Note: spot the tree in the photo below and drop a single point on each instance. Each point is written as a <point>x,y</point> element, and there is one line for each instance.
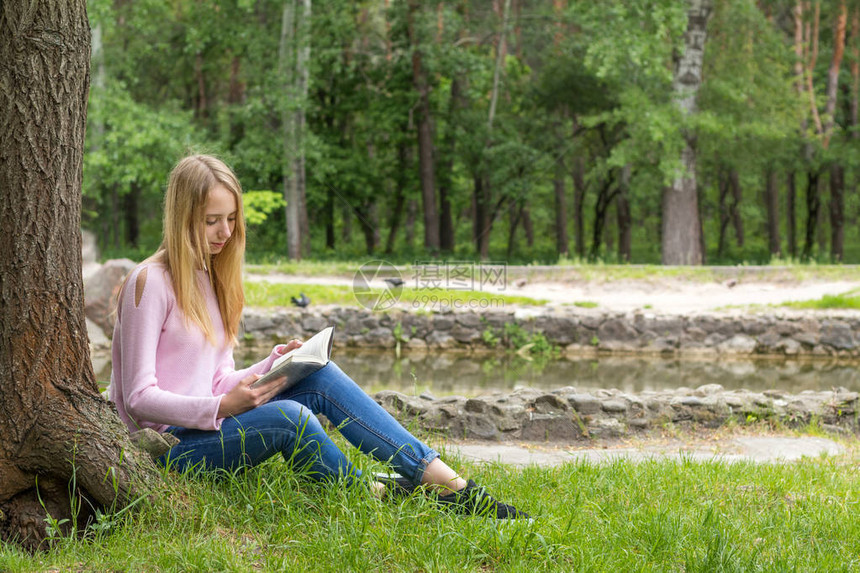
<point>681,222</point>
<point>294,56</point>
<point>59,440</point>
<point>426,148</point>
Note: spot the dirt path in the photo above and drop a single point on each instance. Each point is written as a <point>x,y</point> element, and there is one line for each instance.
<point>754,448</point>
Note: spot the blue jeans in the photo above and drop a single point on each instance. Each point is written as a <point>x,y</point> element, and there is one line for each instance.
<point>287,425</point>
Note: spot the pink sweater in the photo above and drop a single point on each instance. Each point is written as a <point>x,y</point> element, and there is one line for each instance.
<point>165,372</point>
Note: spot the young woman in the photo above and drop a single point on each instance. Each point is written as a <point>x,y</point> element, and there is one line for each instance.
<point>178,317</point>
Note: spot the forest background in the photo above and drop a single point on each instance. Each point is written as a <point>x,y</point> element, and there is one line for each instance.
<point>519,130</point>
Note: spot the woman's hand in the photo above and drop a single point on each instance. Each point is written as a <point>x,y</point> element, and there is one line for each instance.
<point>243,398</point>
<point>290,346</point>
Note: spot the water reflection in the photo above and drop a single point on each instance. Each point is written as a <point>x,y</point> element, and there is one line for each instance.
<point>471,375</point>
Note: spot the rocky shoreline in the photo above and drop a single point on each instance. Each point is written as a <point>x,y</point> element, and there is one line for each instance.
<point>575,331</point>
<point>569,416</point>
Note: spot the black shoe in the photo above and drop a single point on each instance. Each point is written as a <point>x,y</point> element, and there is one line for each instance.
<point>474,499</point>
<point>396,486</point>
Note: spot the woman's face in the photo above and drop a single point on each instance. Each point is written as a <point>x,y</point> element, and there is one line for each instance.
<point>220,218</point>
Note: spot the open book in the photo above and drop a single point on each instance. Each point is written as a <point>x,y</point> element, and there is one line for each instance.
<point>302,361</point>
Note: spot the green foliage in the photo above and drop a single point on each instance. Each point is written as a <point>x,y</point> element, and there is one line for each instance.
<point>258,205</point>
<point>584,91</point>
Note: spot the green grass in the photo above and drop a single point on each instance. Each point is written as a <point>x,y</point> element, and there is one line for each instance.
<point>264,294</point>
<point>850,299</point>
<point>620,516</point>
<point>779,271</point>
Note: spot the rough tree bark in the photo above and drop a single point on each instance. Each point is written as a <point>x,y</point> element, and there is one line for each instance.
<point>680,244</point>
<point>53,422</point>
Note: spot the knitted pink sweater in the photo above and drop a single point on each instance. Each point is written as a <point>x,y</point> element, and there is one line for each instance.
<point>165,372</point>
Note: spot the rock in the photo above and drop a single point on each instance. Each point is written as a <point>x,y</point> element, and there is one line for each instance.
<point>100,292</point>
<point>738,344</point>
<point>616,330</point>
<point>314,323</point>
<point>549,404</point>
<point>614,406</point>
<point>584,403</point>
<point>709,389</point>
<point>837,334</point>
<point>549,428</point>
<point>441,340</point>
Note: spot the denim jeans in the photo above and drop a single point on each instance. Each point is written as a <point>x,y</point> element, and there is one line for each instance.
<point>287,425</point>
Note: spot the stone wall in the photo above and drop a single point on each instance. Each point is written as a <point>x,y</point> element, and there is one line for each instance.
<point>576,331</point>
<point>566,415</point>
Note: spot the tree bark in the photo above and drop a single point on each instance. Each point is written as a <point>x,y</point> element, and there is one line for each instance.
<point>53,423</point>
<point>481,217</point>
<point>812,204</point>
<point>625,223</point>
<point>737,197</point>
<point>837,211</point>
<point>791,214</point>
<point>833,71</point>
<point>399,197</point>
<point>561,241</point>
<point>579,189</point>
<point>446,176</point>
<point>426,161</point>
<point>681,226</point>
<point>130,212</point>
<point>772,204</point>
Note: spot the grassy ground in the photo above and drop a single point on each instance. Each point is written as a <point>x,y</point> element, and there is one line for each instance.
<point>849,299</point>
<point>621,516</point>
<point>264,294</point>
<point>576,271</point>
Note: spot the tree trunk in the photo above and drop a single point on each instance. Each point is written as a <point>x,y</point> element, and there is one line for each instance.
<point>772,204</point>
<point>399,196</point>
<point>528,228</point>
<point>515,212</point>
<point>812,204</point>
<point>411,218</point>
<point>833,71</point>
<point>837,211</point>
<point>328,216</point>
<point>625,223</point>
<point>130,213</point>
<point>791,215</point>
<point>680,236</point>
<point>303,58</point>
<point>737,197</point>
<point>54,425</point>
<point>605,197</point>
<point>286,59</point>
<point>482,217</point>
<point>449,145</point>
<point>725,217</point>
<point>579,189</point>
<point>426,161</point>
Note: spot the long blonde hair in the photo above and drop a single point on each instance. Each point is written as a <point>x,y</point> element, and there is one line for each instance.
<point>184,248</point>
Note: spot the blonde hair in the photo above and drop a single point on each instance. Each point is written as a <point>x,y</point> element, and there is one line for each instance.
<point>184,248</point>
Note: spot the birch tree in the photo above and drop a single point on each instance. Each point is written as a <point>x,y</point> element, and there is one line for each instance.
<point>681,223</point>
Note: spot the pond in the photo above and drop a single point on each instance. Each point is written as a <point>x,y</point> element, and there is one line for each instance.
<point>449,373</point>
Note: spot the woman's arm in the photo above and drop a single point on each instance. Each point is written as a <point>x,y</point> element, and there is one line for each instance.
<point>143,316</point>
